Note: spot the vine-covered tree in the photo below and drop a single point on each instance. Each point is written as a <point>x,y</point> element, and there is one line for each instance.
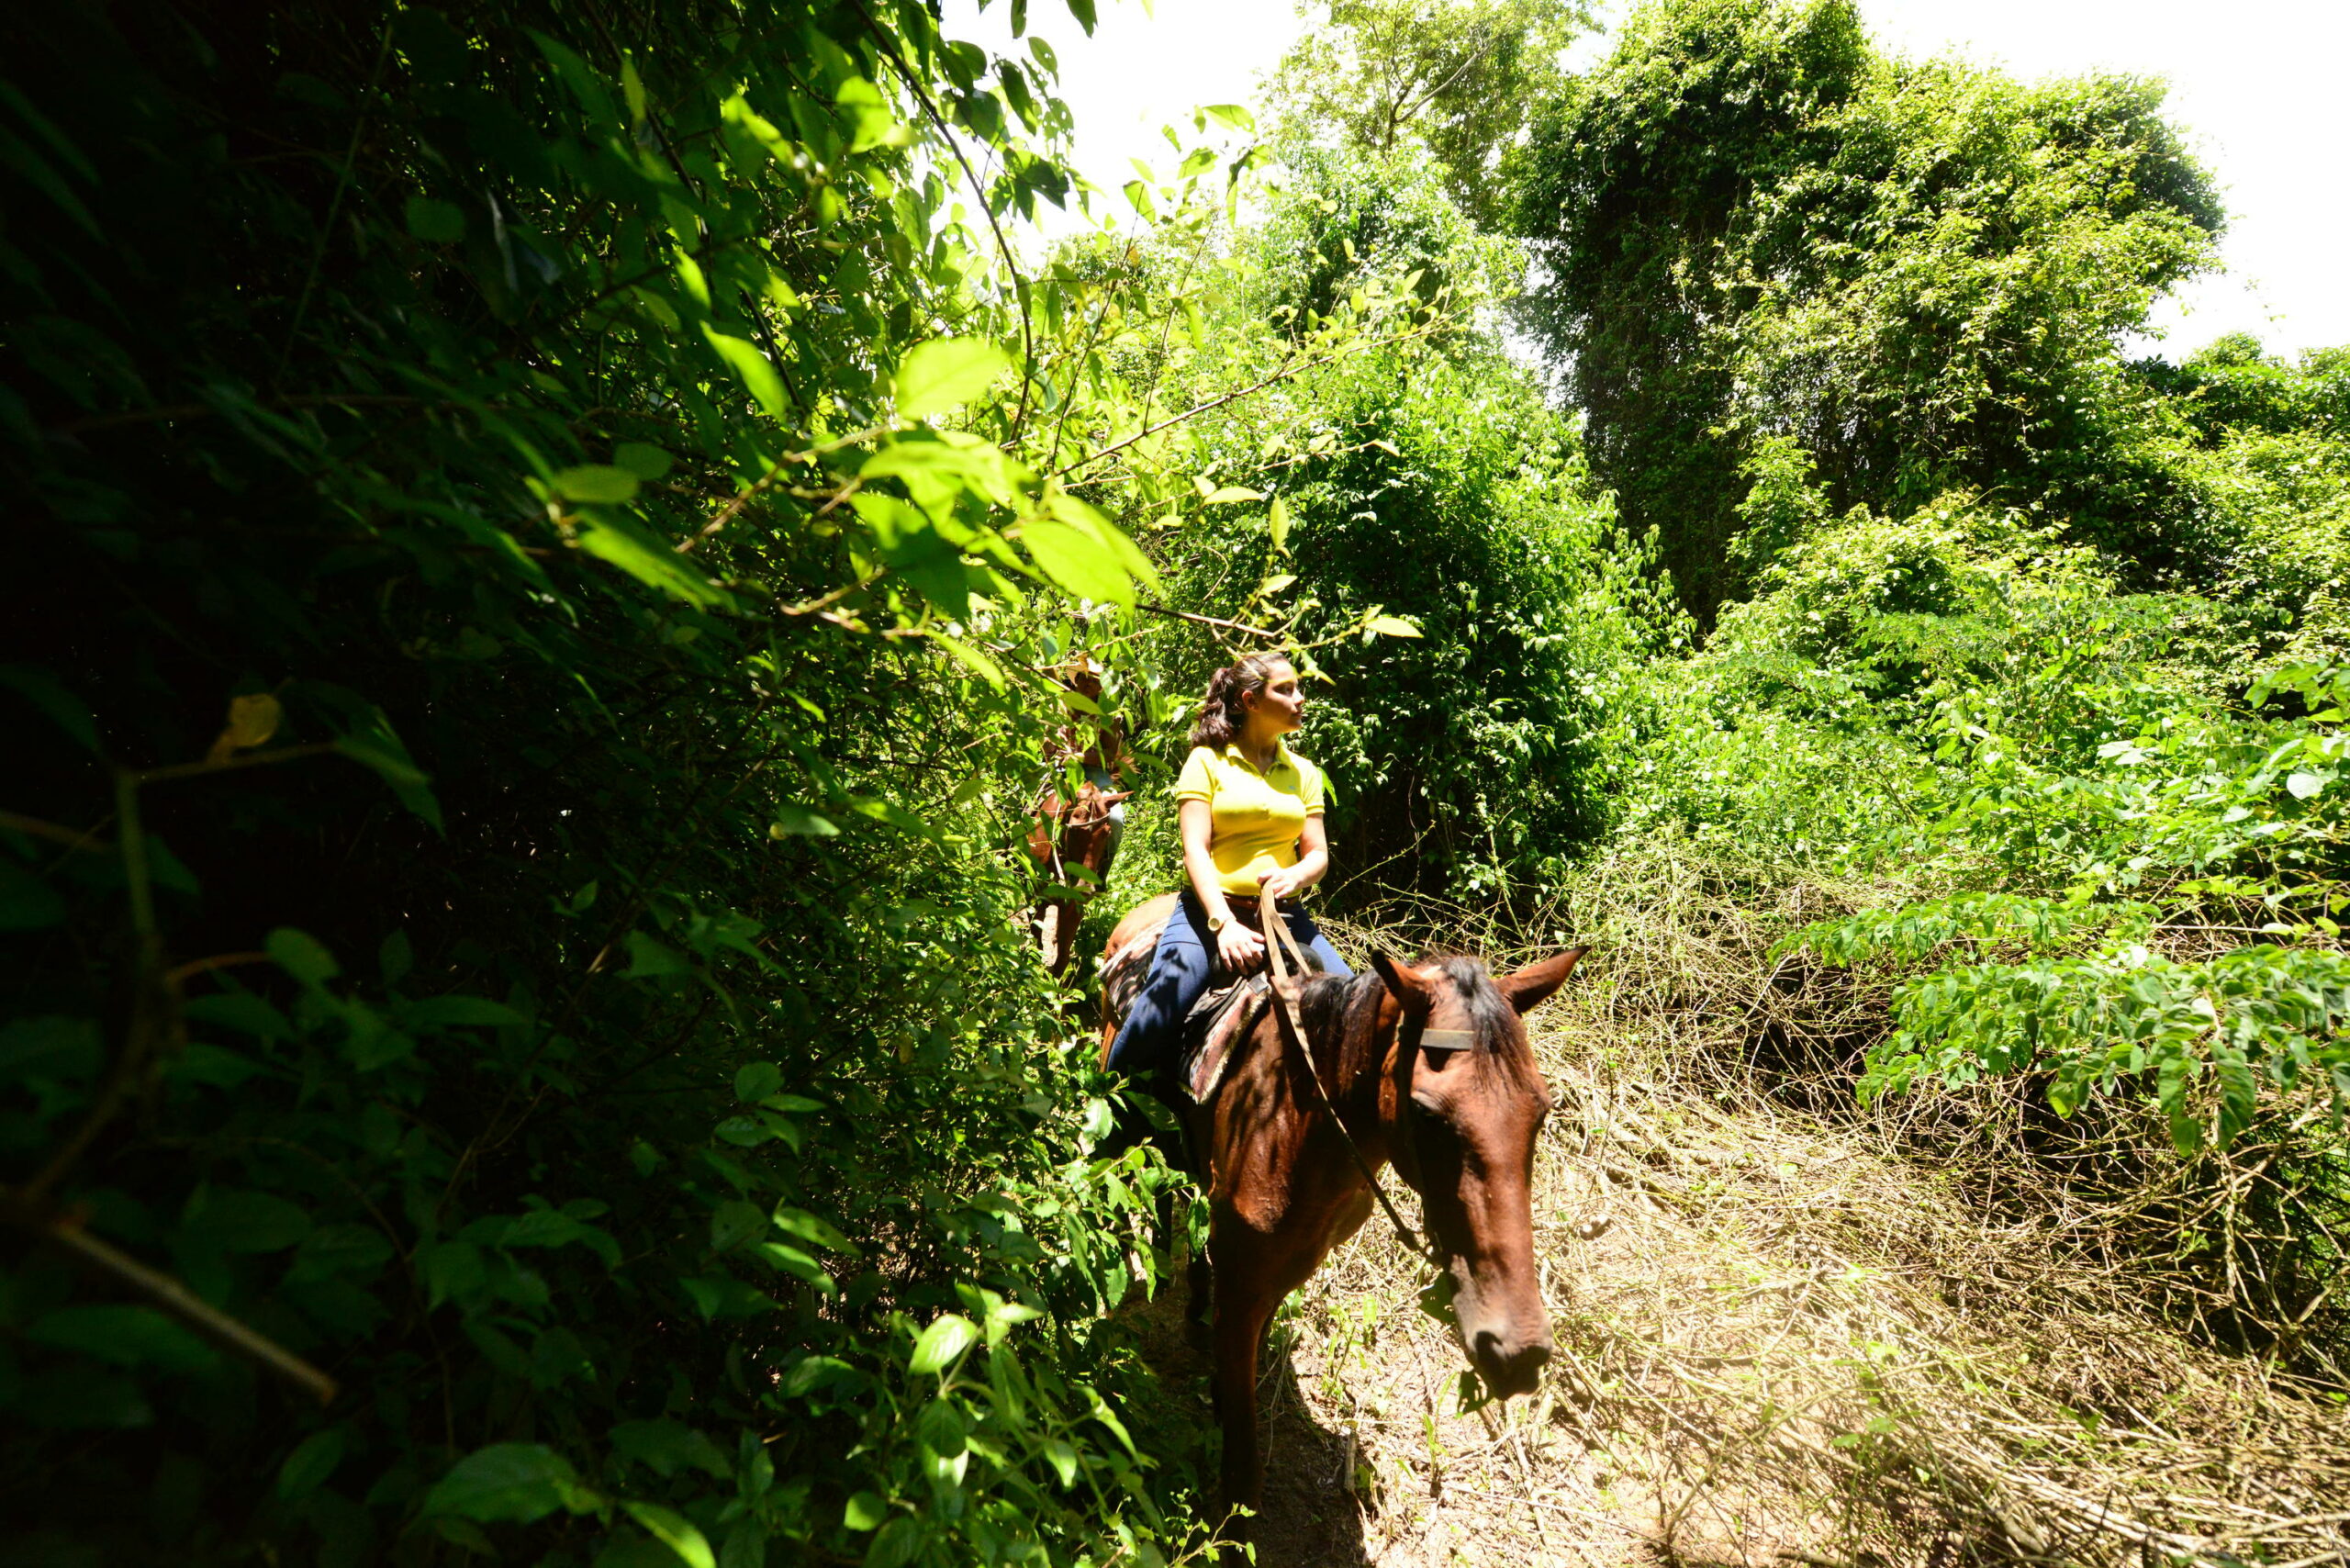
<point>1750,225</point>
<point>1463,78</point>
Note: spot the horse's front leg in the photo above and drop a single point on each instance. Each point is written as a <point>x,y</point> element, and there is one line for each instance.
<point>1244,1306</point>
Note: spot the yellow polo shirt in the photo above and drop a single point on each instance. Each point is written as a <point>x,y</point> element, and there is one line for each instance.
<point>1256,817</point>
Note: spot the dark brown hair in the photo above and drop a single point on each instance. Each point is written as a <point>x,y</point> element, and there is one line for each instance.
<point>1222,715</point>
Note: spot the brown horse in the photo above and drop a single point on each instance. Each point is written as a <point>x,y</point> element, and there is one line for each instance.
<point>1070,837</point>
<point>1456,1120</point>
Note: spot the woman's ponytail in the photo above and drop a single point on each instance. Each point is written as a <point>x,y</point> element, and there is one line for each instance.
<point>1223,713</point>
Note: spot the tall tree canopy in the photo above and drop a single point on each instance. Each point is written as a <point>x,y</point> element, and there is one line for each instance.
<point>1463,78</point>
<point>1752,226</point>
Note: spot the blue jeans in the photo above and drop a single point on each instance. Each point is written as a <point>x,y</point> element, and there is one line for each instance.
<point>1179,974</point>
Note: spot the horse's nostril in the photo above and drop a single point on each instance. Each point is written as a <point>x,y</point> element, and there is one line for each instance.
<point>1510,1370</point>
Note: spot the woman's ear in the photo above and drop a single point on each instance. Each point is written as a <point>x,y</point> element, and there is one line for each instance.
<point>1529,985</point>
<point>1407,985</point>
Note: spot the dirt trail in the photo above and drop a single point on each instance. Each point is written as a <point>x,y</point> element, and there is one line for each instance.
<point>1782,1340</point>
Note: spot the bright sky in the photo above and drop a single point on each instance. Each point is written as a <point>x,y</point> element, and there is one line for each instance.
<point>2254,80</point>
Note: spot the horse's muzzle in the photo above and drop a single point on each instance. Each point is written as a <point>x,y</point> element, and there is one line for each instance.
<point>1508,1369</point>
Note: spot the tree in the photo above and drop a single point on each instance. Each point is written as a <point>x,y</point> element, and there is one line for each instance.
<point>1462,77</point>
<point>1749,223</point>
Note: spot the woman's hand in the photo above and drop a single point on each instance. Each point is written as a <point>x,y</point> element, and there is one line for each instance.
<point>1241,950</point>
<point>1281,883</point>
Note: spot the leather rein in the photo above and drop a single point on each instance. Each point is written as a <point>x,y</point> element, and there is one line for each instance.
<point>1277,937</point>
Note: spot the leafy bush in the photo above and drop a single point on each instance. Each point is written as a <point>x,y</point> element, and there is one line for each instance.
<point>508,917</point>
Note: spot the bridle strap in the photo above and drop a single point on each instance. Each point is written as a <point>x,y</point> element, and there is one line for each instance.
<point>1447,1039</point>
<point>1277,937</point>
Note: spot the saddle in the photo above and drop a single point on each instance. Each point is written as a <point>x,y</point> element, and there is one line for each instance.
<point>1223,1015</point>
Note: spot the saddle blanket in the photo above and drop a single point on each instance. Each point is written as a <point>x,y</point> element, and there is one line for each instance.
<point>1221,1017</point>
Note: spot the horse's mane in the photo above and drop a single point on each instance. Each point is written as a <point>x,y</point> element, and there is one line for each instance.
<point>1341,1007</point>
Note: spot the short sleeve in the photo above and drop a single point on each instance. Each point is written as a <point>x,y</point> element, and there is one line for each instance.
<point>1197,781</point>
<point>1309,784</point>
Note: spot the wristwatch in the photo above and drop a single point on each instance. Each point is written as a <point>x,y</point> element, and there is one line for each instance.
<point>1216,923</point>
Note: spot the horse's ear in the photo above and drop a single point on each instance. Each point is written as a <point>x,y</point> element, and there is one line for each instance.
<point>1407,985</point>
<point>1529,985</point>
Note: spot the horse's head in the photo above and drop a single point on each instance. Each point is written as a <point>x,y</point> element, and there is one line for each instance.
<point>1468,1101</point>
<point>1086,831</point>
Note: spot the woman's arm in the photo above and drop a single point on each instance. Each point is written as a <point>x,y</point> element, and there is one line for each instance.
<point>1241,949</point>
<point>1314,859</point>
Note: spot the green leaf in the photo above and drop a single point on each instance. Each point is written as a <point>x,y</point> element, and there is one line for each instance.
<point>436,222</point>
<point>647,462</point>
<point>650,958</point>
<point>865,1511</point>
<point>812,1372</point>
<point>581,78</point>
<point>516,1483</point>
<point>1390,626</point>
<point>1063,1458</point>
<point>792,820</point>
<point>64,710</point>
<point>970,658</point>
<point>668,1447</point>
<point>875,125</point>
<point>900,1541</point>
<point>312,1463</point>
<point>1077,560</point>
<point>596,482</point>
<point>332,1249</point>
<point>125,1336</point>
<point>1231,115</point>
<point>810,1228</point>
<point>1277,519</point>
<point>300,954</point>
<point>734,1222</point>
<point>793,1261</point>
<point>943,374</point>
<point>757,373</point>
<point>722,1295</point>
<point>673,1531</point>
<point>233,1220</point>
<point>1084,11</point>
<point>374,745</point>
<point>947,1336</point>
<point>620,539</point>
<point>1224,494</point>
<point>2302,786</point>
<point>756,1081</point>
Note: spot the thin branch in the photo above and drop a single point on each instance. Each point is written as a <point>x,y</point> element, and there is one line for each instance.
<point>169,412</point>
<point>176,1299</point>
<point>334,207</point>
<point>766,482</point>
<point>246,759</point>
<point>88,839</point>
<point>1234,396</point>
<point>979,195</point>
<point>1210,620</point>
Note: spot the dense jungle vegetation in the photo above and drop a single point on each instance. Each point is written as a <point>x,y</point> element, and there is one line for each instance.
<point>543,531</point>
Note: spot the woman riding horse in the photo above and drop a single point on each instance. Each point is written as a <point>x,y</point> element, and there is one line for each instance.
<point>1250,816</point>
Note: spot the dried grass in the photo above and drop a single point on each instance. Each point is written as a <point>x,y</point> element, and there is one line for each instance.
<point>1791,1331</point>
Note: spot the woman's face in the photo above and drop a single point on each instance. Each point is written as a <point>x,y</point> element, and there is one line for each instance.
<point>1279,707</point>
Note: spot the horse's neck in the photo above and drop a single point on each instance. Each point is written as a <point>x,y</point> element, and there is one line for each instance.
<point>1351,1069</point>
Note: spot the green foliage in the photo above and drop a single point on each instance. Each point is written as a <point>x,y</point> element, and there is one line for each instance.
<point>1753,225</point>
<point>609,437</point>
<point>1462,79</point>
<point>2253,1014</point>
<point>1422,525</point>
